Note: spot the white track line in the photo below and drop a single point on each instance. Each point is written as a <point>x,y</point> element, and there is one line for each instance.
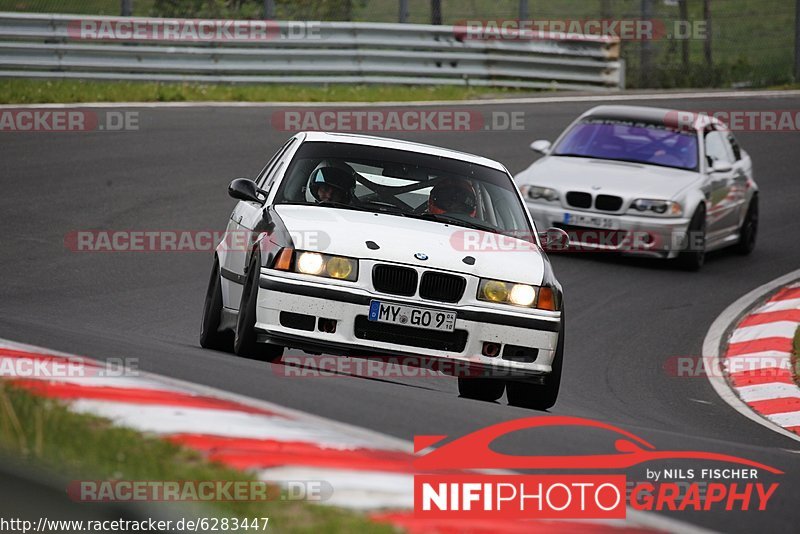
<point>713,343</point>
<point>778,305</point>
<point>625,97</point>
<point>776,329</point>
<point>774,390</point>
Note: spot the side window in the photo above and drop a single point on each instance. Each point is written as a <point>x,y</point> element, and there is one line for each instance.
<point>737,150</point>
<point>267,170</point>
<point>717,148</point>
<point>273,172</point>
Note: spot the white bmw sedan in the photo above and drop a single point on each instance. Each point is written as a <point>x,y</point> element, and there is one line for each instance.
<point>365,246</point>
<point>645,181</point>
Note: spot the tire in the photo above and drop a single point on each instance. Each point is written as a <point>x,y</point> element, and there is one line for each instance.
<point>210,335</point>
<point>749,230</point>
<point>693,260</point>
<point>540,396</point>
<point>485,389</point>
<point>244,342</point>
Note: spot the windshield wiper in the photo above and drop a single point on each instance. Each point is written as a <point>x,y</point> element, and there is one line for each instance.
<point>458,222</point>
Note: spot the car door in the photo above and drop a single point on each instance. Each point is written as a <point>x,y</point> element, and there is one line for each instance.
<point>742,177</point>
<point>719,186</point>
<point>245,215</point>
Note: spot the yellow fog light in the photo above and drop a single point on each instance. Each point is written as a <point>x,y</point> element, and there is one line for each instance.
<point>310,263</point>
<point>340,268</point>
<point>522,295</point>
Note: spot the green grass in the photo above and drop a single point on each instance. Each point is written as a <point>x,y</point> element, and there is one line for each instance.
<point>23,91</point>
<point>44,433</point>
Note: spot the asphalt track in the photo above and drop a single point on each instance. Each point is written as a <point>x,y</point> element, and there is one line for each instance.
<point>626,318</point>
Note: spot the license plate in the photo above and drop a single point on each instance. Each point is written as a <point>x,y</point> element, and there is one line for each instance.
<point>383,312</point>
<point>578,219</point>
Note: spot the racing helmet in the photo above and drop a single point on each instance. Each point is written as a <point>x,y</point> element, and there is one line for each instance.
<point>327,173</point>
<point>452,195</point>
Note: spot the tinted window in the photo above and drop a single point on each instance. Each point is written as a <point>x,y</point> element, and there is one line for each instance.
<point>630,141</point>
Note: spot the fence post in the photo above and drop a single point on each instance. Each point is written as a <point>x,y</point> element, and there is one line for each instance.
<point>126,8</point>
<point>403,11</point>
<point>523,10</point>
<point>269,9</point>
<point>605,10</point>
<point>403,17</point>
<point>646,50</point>
<point>436,12</point>
<point>707,50</point>
<point>684,16</point>
<point>797,40</point>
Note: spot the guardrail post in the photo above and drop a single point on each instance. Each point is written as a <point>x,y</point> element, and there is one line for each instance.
<point>403,15</point>
<point>126,8</point>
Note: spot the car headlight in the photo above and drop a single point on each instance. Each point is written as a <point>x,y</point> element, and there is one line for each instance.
<point>522,295</point>
<point>655,208</point>
<point>317,264</point>
<point>535,192</point>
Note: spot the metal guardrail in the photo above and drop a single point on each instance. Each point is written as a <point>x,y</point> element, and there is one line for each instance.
<point>49,46</point>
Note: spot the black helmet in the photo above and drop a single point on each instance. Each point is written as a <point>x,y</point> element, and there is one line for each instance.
<point>333,176</point>
<point>452,195</point>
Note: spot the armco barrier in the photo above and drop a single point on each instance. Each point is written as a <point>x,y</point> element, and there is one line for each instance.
<point>51,46</point>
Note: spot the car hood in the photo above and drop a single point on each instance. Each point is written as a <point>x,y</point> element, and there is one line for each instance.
<point>632,180</point>
<point>345,232</point>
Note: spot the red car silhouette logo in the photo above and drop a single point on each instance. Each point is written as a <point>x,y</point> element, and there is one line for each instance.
<point>473,450</point>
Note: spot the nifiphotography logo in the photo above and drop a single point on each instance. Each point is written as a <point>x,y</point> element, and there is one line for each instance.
<point>445,490</point>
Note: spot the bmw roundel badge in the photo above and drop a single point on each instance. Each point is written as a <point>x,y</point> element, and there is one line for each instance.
<point>421,256</point>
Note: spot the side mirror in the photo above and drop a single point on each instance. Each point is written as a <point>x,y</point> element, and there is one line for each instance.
<point>245,189</point>
<point>554,239</point>
<point>542,146</point>
<point>721,166</point>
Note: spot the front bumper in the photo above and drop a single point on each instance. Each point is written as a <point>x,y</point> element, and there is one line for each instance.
<point>641,236</point>
<point>349,306</point>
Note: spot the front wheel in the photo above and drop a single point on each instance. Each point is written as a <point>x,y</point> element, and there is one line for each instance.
<point>749,229</point>
<point>693,258</point>
<point>244,343</point>
<point>540,396</point>
<point>210,335</point>
<point>485,389</point>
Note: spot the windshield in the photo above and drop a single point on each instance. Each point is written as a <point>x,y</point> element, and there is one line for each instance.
<point>631,141</point>
<point>403,183</point>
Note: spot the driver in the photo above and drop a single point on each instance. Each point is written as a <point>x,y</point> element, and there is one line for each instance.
<point>453,195</point>
<point>329,183</point>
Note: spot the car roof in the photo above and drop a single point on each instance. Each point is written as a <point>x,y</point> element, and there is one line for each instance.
<point>398,144</point>
<point>662,116</point>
